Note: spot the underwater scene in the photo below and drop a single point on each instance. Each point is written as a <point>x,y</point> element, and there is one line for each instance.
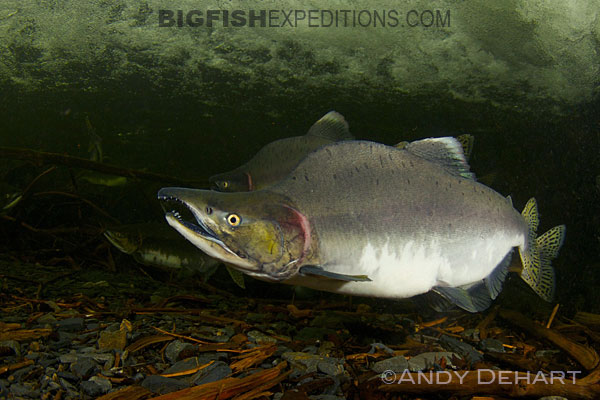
<point>289,200</point>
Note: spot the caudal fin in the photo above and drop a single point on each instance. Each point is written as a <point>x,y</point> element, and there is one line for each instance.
<point>538,252</point>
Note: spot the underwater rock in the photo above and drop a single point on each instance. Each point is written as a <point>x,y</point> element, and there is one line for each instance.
<point>91,389</point>
<point>380,347</point>
<point>175,348</point>
<point>161,385</point>
<point>71,324</point>
<point>183,365</point>
<point>515,55</point>
<point>313,333</point>
<point>467,351</point>
<point>112,340</point>
<point>215,334</point>
<point>214,372</point>
<point>491,345</point>
<point>428,360</point>
<point>21,390</point>
<point>260,338</point>
<point>84,367</point>
<point>396,364</point>
<point>13,345</point>
<point>103,383</point>
<point>306,363</point>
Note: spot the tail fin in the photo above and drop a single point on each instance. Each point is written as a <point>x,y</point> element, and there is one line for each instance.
<point>538,252</point>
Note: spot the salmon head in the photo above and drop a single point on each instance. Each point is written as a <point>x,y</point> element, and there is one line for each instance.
<point>260,233</point>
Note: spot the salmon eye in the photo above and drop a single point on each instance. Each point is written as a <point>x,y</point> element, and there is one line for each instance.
<point>234,219</point>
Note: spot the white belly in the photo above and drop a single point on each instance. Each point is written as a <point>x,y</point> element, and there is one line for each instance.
<point>414,268</point>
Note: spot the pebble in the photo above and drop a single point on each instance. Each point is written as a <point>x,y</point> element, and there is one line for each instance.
<point>381,347</point>
<point>490,344</point>
<point>175,348</point>
<point>254,318</point>
<point>215,334</point>
<point>107,359</point>
<point>47,319</point>
<point>183,365</point>
<point>20,373</point>
<point>467,351</point>
<point>91,389</point>
<point>429,360</point>
<point>47,362</point>
<point>260,338</point>
<point>84,367</point>
<point>24,390</point>
<point>471,333</point>
<point>311,333</point>
<point>12,344</point>
<point>329,320</point>
<point>67,385</point>
<point>160,385</point>
<point>112,340</point>
<point>68,358</point>
<point>306,363</point>
<point>331,366</point>
<point>71,377</point>
<point>104,383</point>
<point>71,324</point>
<point>546,353</point>
<point>214,372</point>
<point>396,364</point>
<point>65,341</point>
<point>283,328</point>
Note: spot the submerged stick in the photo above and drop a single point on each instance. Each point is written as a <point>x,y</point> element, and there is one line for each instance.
<point>584,355</point>
<point>41,158</point>
<point>489,382</point>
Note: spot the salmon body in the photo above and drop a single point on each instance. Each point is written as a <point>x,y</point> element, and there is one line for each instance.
<point>367,219</point>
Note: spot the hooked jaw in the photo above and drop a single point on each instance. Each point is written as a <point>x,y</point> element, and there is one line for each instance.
<point>272,243</point>
<point>198,232</point>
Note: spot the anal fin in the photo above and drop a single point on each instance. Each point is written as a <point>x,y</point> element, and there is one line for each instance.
<point>473,299</point>
<point>496,278</point>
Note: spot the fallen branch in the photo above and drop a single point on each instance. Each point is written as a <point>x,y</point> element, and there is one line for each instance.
<point>16,366</point>
<point>129,393</point>
<point>585,355</point>
<point>489,382</point>
<point>41,158</point>
<point>229,387</point>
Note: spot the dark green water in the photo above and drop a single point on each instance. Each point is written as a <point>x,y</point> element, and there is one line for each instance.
<point>175,111</point>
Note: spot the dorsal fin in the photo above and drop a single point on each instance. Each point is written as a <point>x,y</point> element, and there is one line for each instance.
<point>445,151</point>
<point>466,141</point>
<point>331,126</point>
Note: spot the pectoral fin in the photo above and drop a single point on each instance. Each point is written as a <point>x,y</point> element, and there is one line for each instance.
<point>318,271</point>
<point>237,276</point>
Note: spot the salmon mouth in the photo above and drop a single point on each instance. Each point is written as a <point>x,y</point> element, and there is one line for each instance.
<point>188,220</point>
<point>198,226</point>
